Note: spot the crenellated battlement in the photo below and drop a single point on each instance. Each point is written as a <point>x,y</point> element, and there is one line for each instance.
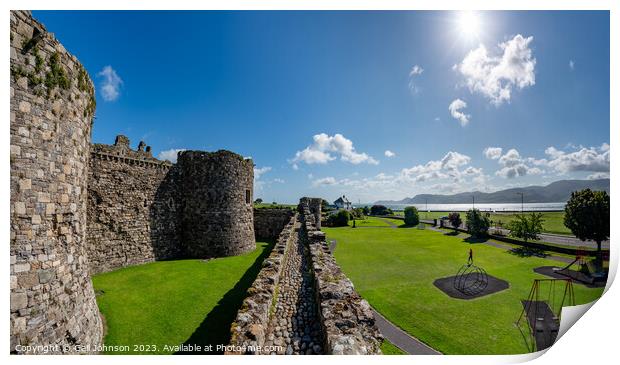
<point>121,152</point>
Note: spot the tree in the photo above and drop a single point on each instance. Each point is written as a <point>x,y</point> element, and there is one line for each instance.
<point>586,214</point>
<point>455,220</point>
<point>258,201</point>
<point>339,219</point>
<point>357,213</point>
<point>526,227</point>
<point>366,210</point>
<point>412,218</point>
<point>379,210</point>
<point>477,222</point>
<point>324,205</point>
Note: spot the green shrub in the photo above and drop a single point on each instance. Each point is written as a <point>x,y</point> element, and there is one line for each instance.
<point>339,219</point>
<point>412,218</point>
<point>455,220</point>
<point>526,227</point>
<point>357,213</point>
<point>380,210</point>
<point>477,223</point>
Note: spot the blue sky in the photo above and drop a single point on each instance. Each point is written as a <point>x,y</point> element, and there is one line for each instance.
<point>374,105</point>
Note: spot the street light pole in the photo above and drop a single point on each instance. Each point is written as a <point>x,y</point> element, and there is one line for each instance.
<point>521,202</point>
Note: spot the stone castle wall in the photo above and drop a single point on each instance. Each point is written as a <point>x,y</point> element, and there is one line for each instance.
<point>216,190</point>
<point>269,222</point>
<point>132,207</point>
<point>141,209</point>
<point>52,106</point>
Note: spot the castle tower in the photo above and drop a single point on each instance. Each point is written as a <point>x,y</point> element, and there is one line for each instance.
<point>52,107</point>
<point>217,199</point>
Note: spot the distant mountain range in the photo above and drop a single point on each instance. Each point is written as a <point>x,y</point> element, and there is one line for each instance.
<point>555,192</point>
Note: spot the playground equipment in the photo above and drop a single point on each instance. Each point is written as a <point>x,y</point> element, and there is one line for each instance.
<point>471,279</point>
<point>586,269</point>
<point>539,321</point>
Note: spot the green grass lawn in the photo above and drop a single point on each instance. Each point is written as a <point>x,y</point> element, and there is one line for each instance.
<point>389,348</point>
<point>176,302</point>
<point>371,222</point>
<point>554,221</point>
<point>394,270</point>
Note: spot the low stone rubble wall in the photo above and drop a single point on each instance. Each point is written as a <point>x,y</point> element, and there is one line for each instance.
<point>249,329</point>
<point>347,325</point>
<point>347,319</point>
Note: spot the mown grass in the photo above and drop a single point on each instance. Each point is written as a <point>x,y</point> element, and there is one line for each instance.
<point>389,348</point>
<point>370,222</point>
<point>394,270</point>
<point>175,302</point>
<point>554,221</point>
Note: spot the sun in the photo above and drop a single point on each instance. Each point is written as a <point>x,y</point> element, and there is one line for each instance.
<point>469,24</point>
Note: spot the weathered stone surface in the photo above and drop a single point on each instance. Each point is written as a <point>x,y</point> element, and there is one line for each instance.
<point>132,207</point>
<point>216,191</point>
<point>141,209</point>
<point>346,319</point>
<point>269,222</point>
<point>302,301</point>
<point>52,301</point>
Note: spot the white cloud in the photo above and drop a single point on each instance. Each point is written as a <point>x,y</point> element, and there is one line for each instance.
<point>389,153</point>
<point>571,65</point>
<point>437,119</point>
<point>415,72</point>
<point>447,167</point>
<point>325,148</point>
<point>514,165</point>
<point>110,86</point>
<point>258,183</point>
<point>496,76</point>
<point>258,172</point>
<point>493,153</point>
<point>324,181</point>
<point>170,155</point>
<point>278,180</point>
<point>451,173</point>
<point>455,110</point>
<point>598,175</point>
<point>593,159</point>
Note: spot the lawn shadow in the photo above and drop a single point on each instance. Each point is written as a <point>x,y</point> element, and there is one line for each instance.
<point>404,225</point>
<point>527,252</point>
<point>472,239</point>
<point>215,328</point>
<point>451,233</point>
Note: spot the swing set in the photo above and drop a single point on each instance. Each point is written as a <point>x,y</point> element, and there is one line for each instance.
<point>539,321</point>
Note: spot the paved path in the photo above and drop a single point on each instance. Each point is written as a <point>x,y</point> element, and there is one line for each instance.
<point>402,339</point>
<point>507,247</point>
<point>392,224</point>
<point>561,239</point>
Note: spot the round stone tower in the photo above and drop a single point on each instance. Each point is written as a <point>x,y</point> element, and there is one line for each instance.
<point>52,106</point>
<point>217,197</point>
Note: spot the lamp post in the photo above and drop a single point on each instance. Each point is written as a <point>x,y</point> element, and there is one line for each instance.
<point>521,202</point>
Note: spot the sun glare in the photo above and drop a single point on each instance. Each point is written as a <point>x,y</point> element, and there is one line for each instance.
<point>469,24</point>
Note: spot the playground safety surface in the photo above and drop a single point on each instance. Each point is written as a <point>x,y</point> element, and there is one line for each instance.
<point>446,285</point>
